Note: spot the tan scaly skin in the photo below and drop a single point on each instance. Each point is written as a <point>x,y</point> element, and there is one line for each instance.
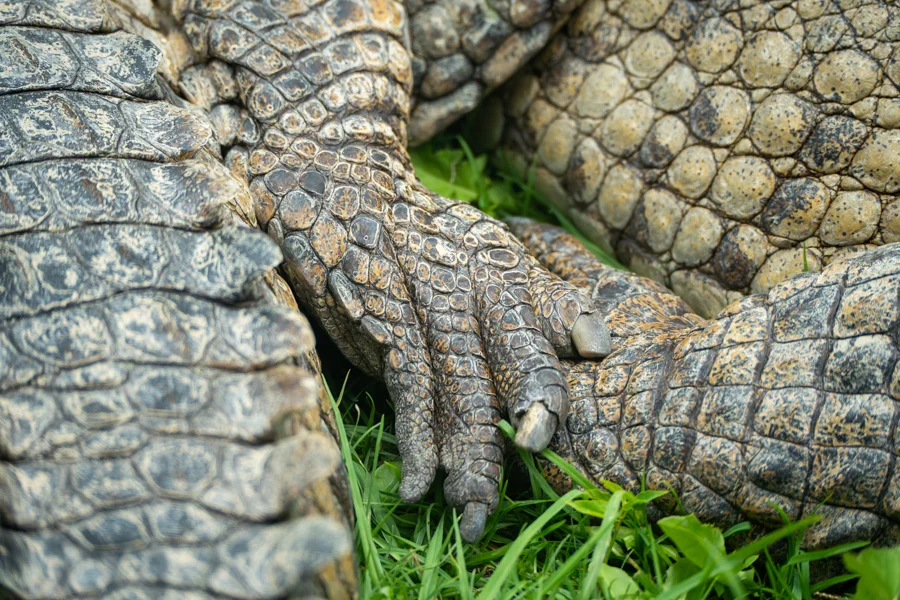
<point>789,399</point>
<point>427,293</point>
<point>717,147</point>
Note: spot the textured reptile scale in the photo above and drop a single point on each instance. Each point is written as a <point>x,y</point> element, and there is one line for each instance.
<point>161,431</point>
<point>788,399</point>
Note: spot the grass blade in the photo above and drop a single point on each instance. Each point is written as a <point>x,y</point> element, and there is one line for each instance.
<point>809,557</point>
<point>363,525</point>
<point>507,566</point>
<point>433,560</point>
<point>601,550</point>
<point>465,587</point>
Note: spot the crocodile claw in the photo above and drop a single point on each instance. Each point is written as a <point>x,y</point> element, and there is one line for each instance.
<point>536,428</point>
<point>591,337</point>
<point>473,521</point>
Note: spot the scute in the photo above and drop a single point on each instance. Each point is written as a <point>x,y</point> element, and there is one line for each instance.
<point>146,347</point>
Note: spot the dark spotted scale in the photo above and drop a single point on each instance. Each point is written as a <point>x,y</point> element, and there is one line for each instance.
<point>786,400</point>
<point>162,431</point>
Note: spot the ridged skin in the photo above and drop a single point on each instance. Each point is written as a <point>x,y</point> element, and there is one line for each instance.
<point>161,432</point>
<point>428,293</point>
<point>717,146</point>
<point>463,49</point>
<point>788,399</point>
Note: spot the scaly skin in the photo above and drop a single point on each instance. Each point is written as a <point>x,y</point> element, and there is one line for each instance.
<point>717,147</point>
<point>160,428</point>
<point>721,468</point>
<point>788,399</point>
<point>463,49</point>
<point>427,293</point>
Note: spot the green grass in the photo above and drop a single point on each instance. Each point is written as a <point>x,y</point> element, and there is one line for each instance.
<point>589,543</point>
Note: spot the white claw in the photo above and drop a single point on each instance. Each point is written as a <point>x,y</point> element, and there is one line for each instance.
<point>590,336</point>
<point>536,428</point>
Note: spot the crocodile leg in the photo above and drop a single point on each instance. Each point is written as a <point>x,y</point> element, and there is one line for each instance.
<point>789,399</point>
<point>161,434</point>
<point>464,49</point>
<point>717,147</point>
<point>428,293</point>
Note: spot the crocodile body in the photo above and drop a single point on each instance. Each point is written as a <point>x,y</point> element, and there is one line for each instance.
<point>717,146</point>
<point>789,399</point>
<point>162,431</point>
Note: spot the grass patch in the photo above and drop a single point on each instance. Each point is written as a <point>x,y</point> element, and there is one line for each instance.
<point>589,543</point>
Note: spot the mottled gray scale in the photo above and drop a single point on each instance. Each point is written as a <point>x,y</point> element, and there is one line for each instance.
<point>117,64</point>
<point>47,423</point>
<point>60,195</point>
<point>90,16</point>
<point>810,433</point>
<point>223,569</point>
<point>163,433</point>
<point>147,327</point>
<point>43,271</point>
<point>46,125</point>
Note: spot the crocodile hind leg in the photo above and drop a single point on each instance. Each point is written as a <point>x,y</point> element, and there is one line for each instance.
<point>789,399</point>
<point>717,147</point>
<point>159,437</point>
<point>460,52</point>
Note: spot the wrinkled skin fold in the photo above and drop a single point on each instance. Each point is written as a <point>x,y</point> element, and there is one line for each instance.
<point>163,432</point>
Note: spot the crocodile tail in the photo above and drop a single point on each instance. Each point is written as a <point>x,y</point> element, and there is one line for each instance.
<point>787,400</point>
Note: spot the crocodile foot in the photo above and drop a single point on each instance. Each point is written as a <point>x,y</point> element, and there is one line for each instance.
<point>428,293</point>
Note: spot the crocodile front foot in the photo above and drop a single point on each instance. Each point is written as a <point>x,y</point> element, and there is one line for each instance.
<point>428,293</point>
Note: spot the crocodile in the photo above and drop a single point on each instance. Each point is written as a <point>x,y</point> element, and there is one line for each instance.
<point>787,400</point>
<point>163,429</point>
<point>109,139</point>
<point>717,147</point>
